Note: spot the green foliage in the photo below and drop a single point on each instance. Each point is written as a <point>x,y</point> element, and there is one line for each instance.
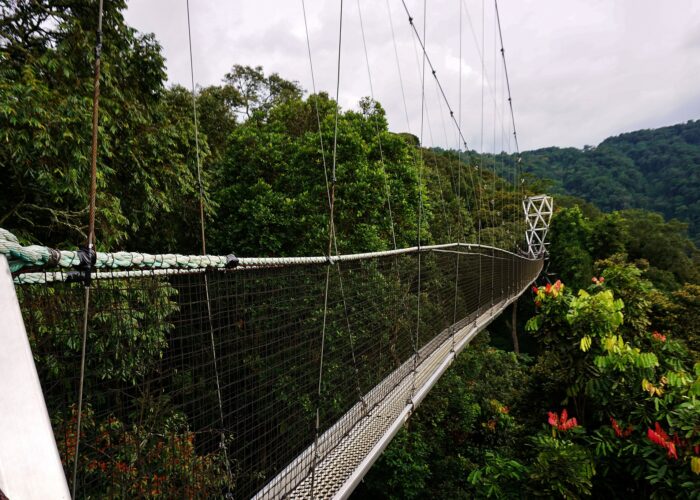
<point>275,188</point>
<point>266,192</point>
<point>467,415</point>
<point>683,317</point>
<point>636,394</point>
<point>570,233</point>
<point>499,478</point>
<point>561,469</point>
<point>644,380</point>
<point>660,249</point>
<point>122,348</point>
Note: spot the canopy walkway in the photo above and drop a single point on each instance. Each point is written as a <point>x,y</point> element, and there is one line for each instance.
<point>132,375</point>
<point>230,364</point>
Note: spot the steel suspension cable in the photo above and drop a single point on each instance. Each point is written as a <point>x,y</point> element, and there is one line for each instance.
<point>432,141</point>
<point>505,71</point>
<point>328,192</point>
<point>492,201</point>
<point>91,238</point>
<point>222,443</point>
<point>318,114</point>
<point>376,125</point>
<point>331,240</point>
<point>518,161</point>
<point>416,162</point>
<point>420,207</point>
<point>459,182</point>
<point>416,152</point>
<point>434,73</point>
<point>489,85</point>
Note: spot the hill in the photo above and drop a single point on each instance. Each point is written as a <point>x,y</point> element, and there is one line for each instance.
<point>656,170</point>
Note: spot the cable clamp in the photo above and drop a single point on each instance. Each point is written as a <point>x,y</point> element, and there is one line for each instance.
<point>54,257</point>
<point>87,258</point>
<point>231,261</point>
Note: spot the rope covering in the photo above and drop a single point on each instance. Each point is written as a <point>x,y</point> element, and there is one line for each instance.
<point>21,257</point>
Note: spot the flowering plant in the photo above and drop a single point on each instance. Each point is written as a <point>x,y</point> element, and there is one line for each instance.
<point>561,422</point>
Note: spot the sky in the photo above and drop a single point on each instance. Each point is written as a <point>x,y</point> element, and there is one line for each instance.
<point>579,70</point>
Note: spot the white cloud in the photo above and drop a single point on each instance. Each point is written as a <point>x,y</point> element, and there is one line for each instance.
<point>580,70</point>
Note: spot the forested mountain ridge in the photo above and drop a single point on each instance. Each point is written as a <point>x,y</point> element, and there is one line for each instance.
<point>656,169</point>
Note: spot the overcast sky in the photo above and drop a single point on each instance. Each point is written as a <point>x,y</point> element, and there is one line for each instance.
<point>580,70</point>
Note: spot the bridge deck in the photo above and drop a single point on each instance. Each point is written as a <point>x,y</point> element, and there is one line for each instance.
<point>353,444</point>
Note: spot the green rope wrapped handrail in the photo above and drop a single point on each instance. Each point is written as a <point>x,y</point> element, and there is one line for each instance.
<point>132,263</point>
<point>20,257</point>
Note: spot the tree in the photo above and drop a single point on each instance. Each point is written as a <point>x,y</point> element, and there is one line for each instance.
<point>570,233</point>
<point>47,54</point>
<point>273,197</point>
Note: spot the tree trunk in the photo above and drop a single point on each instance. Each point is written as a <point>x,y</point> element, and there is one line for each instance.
<point>514,328</point>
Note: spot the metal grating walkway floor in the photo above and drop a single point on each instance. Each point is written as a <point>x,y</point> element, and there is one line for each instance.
<point>349,448</point>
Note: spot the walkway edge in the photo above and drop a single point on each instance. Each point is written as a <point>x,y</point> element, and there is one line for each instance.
<point>470,331</point>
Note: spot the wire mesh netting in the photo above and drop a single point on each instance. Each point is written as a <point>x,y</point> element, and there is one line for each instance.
<point>207,382</point>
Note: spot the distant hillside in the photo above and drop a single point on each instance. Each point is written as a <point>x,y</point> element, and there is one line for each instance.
<point>655,169</point>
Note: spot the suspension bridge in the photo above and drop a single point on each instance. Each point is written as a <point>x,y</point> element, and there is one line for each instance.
<point>132,374</point>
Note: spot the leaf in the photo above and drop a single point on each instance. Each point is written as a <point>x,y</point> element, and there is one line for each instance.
<point>586,343</point>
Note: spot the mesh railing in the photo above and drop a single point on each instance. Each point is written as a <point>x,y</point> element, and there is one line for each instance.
<point>206,382</point>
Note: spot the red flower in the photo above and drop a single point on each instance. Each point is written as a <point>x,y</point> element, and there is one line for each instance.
<point>562,423</point>
<point>569,424</point>
<point>658,336</point>
<point>535,289</point>
<point>616,428</point>
<point>659,436</point>
<point>505,409</point>
<point>661,431</point>
<point>618,431</point>
<point>548,288</point>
